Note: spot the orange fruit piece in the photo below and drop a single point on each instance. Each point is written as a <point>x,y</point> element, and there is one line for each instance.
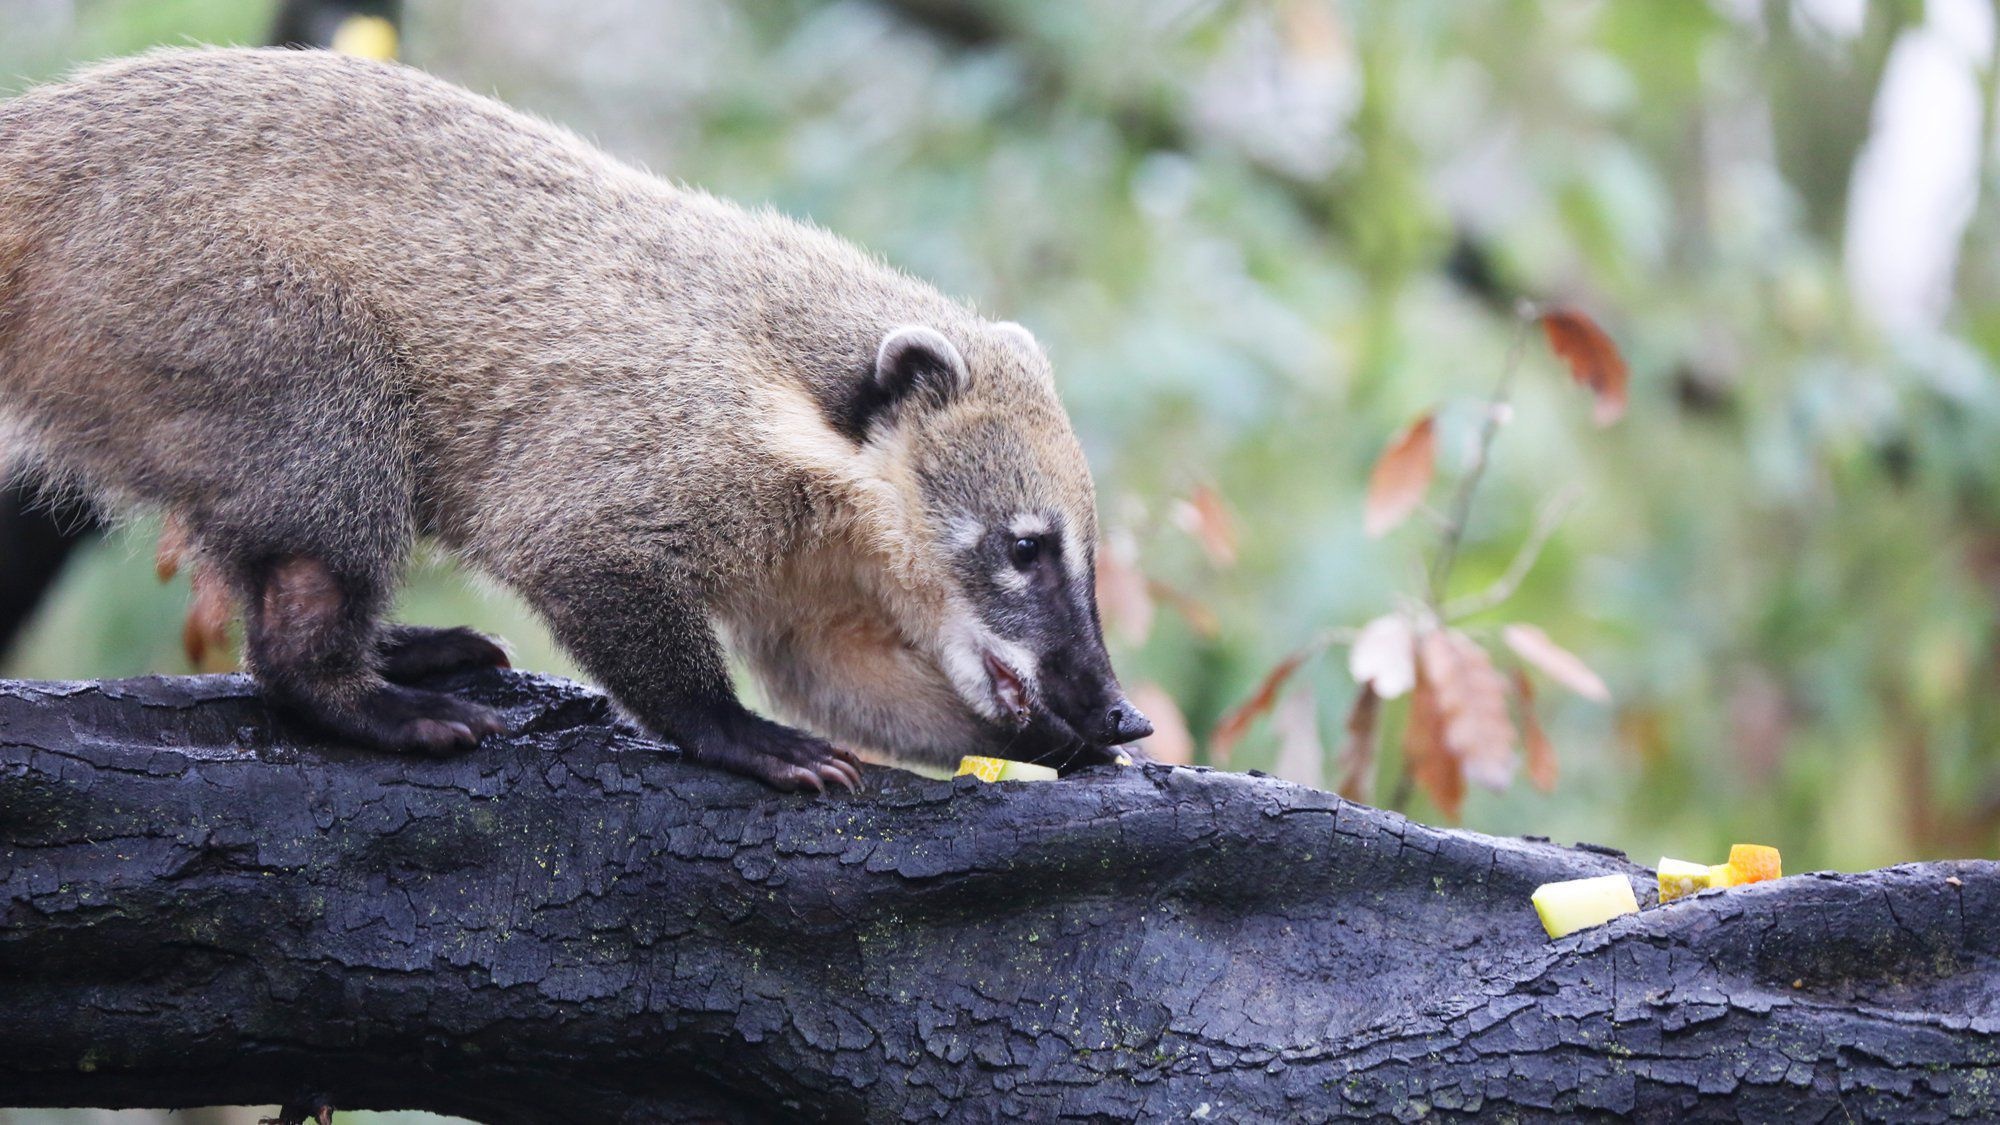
<point>1754,863</point>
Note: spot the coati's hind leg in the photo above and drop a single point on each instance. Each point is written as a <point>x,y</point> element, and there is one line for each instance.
<point>310,638</point>
<point>635,629</point>
<point>263,404</point>
<point>415,652</point>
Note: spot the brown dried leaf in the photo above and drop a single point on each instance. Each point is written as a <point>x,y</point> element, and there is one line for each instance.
<point>1301,756</point>
<point>1555,662</point>
<point>205,632</point>
<point>1593,358</point>
<point>1205,516</point>
<point>1425,755</point>
<point>1122,596</point>
<point>1357,758</point>
<point>1170,741</point>
<point>1401,477</point>
<point>1237,723</point>
<point>1472,698</point>
<point>1541,752</point>
<point>1384,656</point>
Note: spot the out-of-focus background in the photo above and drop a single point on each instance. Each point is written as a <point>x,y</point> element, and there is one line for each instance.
<point>1259,238</point>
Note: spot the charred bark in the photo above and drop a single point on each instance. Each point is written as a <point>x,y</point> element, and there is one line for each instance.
<point>205,905</point>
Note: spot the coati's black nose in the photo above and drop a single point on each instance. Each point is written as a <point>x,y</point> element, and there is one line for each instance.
<point>1123,723</point>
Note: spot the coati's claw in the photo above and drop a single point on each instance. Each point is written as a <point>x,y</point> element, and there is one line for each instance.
<point>828,763</point>
<point>435,737</point>
<point>413,652</point>
<point>843,772</point>
<point>782,776</point>
<point>783,758</point>
<point>848,766</point>
<point>838,772</point>
<point>425,722</point>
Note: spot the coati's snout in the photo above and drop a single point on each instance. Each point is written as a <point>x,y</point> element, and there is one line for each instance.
<point>1083,713</point>
<point>1074,724</point>
<point>1008,499</point>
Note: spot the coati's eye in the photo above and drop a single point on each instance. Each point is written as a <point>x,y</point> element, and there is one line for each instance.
<point>1025,551</point>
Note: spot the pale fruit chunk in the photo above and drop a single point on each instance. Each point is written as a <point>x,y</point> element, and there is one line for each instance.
<point>1680,878</point>
<point>1576,904</point>
<point>1000,769</point>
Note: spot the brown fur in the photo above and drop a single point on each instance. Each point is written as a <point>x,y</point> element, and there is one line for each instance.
<point>315,305</point>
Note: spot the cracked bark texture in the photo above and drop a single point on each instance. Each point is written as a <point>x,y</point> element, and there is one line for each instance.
<point>203,904</point>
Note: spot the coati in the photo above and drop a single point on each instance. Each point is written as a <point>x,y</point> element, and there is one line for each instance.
<point>315,306</point>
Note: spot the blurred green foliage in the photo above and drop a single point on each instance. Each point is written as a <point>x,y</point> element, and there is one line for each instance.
<point>1245,232</point>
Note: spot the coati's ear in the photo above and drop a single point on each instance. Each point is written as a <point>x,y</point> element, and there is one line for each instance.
<point>914,364</point>
<point>1018,336</point>
<point>1026,348</point>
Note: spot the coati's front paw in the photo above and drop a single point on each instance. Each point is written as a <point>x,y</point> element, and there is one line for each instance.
<point>424,722</point>
<point>779,756</point>
<point>414,652</point>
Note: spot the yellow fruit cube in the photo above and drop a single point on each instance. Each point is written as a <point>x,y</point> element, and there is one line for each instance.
<point>1723,875</point>
<point>1576,904</point>
<point>1754,863</point>
<point>985,769</point>
<point>1001,769</point>
<point>1680,878</point>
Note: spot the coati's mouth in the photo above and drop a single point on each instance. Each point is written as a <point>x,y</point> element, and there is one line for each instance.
<point>1040,733</point>
<point>1010,690</point>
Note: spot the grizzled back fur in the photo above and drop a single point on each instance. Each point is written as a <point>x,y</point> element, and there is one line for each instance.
<point>539,304</point>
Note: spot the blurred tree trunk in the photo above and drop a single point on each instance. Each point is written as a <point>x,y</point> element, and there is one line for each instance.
<point>202,906</point>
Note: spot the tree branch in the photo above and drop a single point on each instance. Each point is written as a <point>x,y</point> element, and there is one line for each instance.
<point>199,904</point>
<point>1482,453</point>
<point>1551,515</point>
